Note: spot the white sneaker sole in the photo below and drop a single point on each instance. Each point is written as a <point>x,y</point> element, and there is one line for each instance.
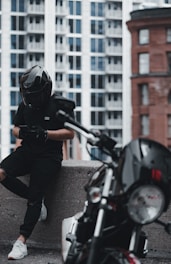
<point>15,258</point>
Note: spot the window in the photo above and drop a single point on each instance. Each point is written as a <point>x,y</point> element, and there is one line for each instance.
<point>78,116</point>
<point>75,26</point>
<point>12,138</point>
<point>143,63</point>
<point>144,94</point>
<point>145,125</point>
<point>15,76</point>
<point>97,45</point>
<point>169,61</point>
<point>76,97</point>
<point>97,81</point>
<point>169,35</point>
<point>17,60</point>
<point>97,63</point>
<point>17,42</point>
<point>169,126</point>
<point>12,112</point>
<point>97,27</point>
<point>97,118</point>
<point>17,5</point>
<point>15,98</point>
<point>97,99</point>
<point>115,6</point>
<point>169,97</point>
<point>97,9</point>
<point>143,36</point>
<point>75,62</point>
<point>75,8</point>
<point>75,80</point>
<point>74,44</point>
<point>17,23</point>
<point>59,2</point>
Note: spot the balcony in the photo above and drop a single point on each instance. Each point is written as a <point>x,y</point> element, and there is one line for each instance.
<point>113,87</point>
<point>35,28</point>
<point>113,105</point>
<point>63,85</point>
<point>113,68</point>
<point>35,9</point>
<point>61,29</point>
<point>61,66</point>
<point>112,50</point>
<point>62,10</point>
<point>35,46</point>
<point>61,48</point>
<point>111,32</point>
<point>113,123</point>
<point>35,62</point>
<point>113,14</point>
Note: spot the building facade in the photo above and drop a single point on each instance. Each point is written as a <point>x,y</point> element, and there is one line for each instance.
<point>80,44</point>
<point>85,46</point>
<point>151,74</point>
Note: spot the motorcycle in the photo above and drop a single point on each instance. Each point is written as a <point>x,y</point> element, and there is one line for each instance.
<point>129,190</point>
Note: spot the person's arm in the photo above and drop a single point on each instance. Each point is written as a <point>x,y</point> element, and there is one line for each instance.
<point>59,135</point>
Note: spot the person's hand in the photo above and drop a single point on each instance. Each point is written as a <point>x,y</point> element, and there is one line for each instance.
<point>33,133</point>
<point>38,133</point>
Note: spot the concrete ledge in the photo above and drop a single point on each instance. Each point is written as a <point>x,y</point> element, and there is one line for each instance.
<point>65,197</point>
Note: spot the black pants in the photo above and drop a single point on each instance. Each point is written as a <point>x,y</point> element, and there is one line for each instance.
<point>41,170</point>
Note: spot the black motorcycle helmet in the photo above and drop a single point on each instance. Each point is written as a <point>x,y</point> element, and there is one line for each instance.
<point>35,87</point>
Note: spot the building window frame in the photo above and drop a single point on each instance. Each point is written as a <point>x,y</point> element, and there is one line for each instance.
<point>144,36</point>
<point>145,125</point>
<point>168,35</point>
<point>144,63</point>
<point>169,61</point>
<point>169,125</point>
<point>144,93</point>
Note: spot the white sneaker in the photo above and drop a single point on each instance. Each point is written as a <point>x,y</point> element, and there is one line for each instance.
<point>18,251</point>
<point>43,212</point>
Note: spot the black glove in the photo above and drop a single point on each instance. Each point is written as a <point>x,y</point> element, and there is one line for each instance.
<point>33,133</point>
<point>24,131</point>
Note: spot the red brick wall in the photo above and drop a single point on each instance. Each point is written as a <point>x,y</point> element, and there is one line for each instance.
<point>158,79</point>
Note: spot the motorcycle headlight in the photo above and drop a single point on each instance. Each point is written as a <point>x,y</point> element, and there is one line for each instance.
<point>146,204</point>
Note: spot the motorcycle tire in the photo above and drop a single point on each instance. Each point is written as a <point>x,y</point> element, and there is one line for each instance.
<point>111,256</point>
<point>72,253</point>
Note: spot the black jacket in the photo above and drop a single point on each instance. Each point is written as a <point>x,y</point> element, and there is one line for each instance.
<point>45,118</point>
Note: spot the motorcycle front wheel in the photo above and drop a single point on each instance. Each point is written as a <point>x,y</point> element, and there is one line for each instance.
<point>110,256</point>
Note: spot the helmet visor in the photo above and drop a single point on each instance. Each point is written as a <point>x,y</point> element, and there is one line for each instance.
<point>32,99</point>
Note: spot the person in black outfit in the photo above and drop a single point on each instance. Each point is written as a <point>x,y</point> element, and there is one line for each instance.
<point>40,153</point>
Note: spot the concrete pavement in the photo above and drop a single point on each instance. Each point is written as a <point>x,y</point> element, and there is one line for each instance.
<point>35,256</point>
<point>51,256</point>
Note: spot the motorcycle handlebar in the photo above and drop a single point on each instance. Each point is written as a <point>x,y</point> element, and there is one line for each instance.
<point>100,140</point>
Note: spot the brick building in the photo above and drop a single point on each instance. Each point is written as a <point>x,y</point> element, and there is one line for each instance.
<point>151,74</point>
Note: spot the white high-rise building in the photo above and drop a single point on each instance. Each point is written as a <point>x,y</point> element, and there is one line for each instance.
<point>84,45</point>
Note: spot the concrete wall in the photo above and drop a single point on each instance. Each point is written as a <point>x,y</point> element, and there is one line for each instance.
<point>65,197</point>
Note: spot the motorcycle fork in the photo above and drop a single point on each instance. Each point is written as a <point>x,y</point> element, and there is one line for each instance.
<point>133,245</point>
<point>95,242</point>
